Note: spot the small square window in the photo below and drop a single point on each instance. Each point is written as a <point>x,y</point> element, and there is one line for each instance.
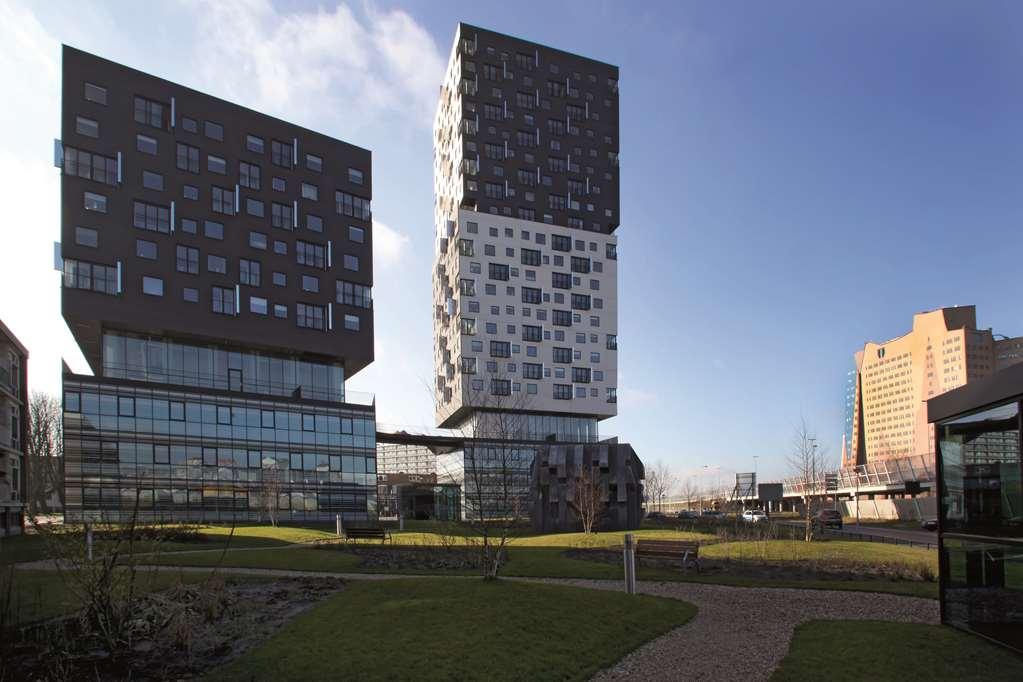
<point>191,295</point>
<point>86,236</point>
<point>351,262</point>
<point>280,310</point>
<point>151,180</point>
<point>313,162</point>
<point>254,144</point>
<point>214,131</point>
<point>152,286</point>
<point>189,226</point>
<point>280,279</point>
<point>145,249</point>
<point>146,144</point>
<point>280,248</point>
<point>355,176</point>
<point>356,234</point>
<point>190,192</point>
<point>189,125</point>
<point>257,240</point>
<point>86,126</point>
<point>257,305</point>
<point>95,93</point>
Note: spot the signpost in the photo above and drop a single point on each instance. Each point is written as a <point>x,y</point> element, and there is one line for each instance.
<point>831,486</point>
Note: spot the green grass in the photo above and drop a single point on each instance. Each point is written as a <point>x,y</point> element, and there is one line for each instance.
<point>876,650</point>
<point>827,550</point>
<point>458,629</point>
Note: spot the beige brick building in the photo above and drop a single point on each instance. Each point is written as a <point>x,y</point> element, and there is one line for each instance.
<point>894,379</point>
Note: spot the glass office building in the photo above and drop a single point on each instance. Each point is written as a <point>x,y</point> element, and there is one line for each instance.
<point>210,455</point>
<point>980,469</point>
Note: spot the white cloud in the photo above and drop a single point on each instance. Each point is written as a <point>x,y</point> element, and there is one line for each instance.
<point>308,65</point>
<point>389,245</point>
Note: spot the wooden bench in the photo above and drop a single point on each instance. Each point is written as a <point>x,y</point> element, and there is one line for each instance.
<point>687,551</point>
<point>365,533</point>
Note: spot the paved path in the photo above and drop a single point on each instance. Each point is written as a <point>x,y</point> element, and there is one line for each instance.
<point>744,632</point>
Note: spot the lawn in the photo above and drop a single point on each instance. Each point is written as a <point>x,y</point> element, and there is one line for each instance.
<point>823,550</point>
<point>876,650</point>
<point>459,629</point>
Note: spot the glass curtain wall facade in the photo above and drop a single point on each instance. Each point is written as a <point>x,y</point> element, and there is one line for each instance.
<point>211,457</point>
<point>169,362</point>
<point>981,524</point>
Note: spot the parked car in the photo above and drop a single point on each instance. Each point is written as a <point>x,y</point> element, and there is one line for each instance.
<point>827,518</point>
<point>929,524</point>
<point>655,516</point>
<point>687,514</point>
<point>754,515</point>
<point>711,513</point>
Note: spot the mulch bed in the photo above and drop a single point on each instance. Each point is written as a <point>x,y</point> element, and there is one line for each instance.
<point>180,633</point>
<point>404,558</point>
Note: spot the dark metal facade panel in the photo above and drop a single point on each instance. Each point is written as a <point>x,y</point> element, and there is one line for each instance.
<point>88,313</point>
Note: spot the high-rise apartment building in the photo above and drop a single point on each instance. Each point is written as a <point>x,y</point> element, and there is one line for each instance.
<point>527,204</point>
<point>13,432</point>
<point>217,274</point>
<point>894,380</point>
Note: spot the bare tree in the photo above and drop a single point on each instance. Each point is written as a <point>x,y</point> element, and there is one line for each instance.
<point>660,481</point>
<point>587,496</point>
<point>494,468</point>
<point>45,454</point>
<point>808,464</point>
<point>270,490</point>
<point>688,491</point>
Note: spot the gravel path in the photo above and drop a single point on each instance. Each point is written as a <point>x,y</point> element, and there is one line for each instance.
<point>744,632</point>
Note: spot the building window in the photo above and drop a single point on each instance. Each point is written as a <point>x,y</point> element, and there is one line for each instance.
<point>223,301</point>
<point>257,240</point>
<point>190,295</point>
<point>281,311</point>
<point>353,206</point>
<point>311,192</point>
<point>90,166</point>
<point>562,391</point>
<point>151,217</point>
<point>531,295</point>
<point>279,279</point>
<point>561,280</point>
<point>281,154</point>
<point>358,295</point>
<point>468,364</point>
<point>90,276</point>
<point>249,175</point>
<point>352,322</point>
<point>254,144</point>
<point>217,264</point>
<point>500,387</point>
<point>351,262</point>
<point>309,254</point>
<point>356,234</point>
<point>355,176</point>
<point>152,286</point>
<point>213,130</point>
<point>86,126</point>
<point>222,200</point>
<point>581,375</point>
<point>532,333</point>
<point>187,158</point>
<point>562,355</point>
<point>151,180</point>
<point>146,144</point>
<point>612,342</point>
<point>314,223</point>
<point>612,251</point>
<point>280,248</point>
<point>95,93</point>
<point>257,305</point>
<point>314,163</point>
<point>532,370</point>
<point>498,271</point>
<point>249,272</point>
<point>309,316</point>
<point>213,229</point>
<point>580,302</point>
<point>148,112</point>
<point>500,349</point>
<point>310,283</point>
<point>467,325</point>
<point>612,394</point>
<point>282,216</point>
<point>145,249</point>
<point>187,260</point>
<point>254,207</point>
<point>189,226</point>
<point>561,318</point>
<point>86,236</point>
<point>190,192</point>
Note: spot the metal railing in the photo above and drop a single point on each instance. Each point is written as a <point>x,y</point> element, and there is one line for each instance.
<point>880,473</point>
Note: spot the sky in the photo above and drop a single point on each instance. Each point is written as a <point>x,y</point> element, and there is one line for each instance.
<point>797,178</point>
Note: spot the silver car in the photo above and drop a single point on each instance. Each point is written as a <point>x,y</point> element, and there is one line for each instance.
<point>754,515</point>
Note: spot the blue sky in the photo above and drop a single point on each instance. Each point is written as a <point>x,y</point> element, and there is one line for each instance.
<point>797,178</point>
